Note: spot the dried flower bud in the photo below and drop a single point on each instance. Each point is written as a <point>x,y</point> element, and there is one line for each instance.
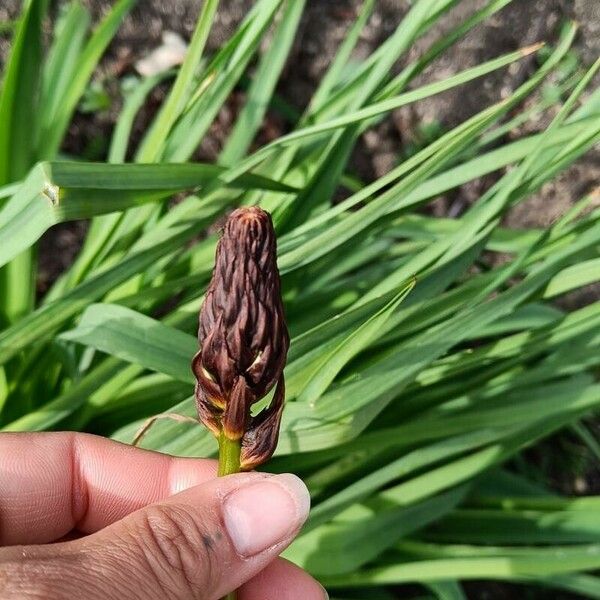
<point>243,338</point>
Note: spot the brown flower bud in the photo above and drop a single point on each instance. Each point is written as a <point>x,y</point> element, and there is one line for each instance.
<point>243,338</point>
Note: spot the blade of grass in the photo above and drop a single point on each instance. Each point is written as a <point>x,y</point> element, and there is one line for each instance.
<point>41,324</point>
<point>333,362</point>
<point>19,93</point>
<point>53,133</point>
<point>174,105</point>
<point>542,563</point>
<point>263,85</point>
<point>334,72</point>
<point>225,72</point>
<point>56,192</point>
<point>63,59</point>
<point>133,102</point>
<point>141,339</point>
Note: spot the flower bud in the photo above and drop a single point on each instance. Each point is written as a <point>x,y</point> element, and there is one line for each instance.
<point>243,338</point>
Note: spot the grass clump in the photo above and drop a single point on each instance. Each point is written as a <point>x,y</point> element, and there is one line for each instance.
<point>405,401</point>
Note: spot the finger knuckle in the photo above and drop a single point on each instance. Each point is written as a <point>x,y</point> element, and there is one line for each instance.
<point>178,551</point>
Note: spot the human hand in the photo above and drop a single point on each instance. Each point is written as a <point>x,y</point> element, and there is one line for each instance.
<point>145,525</point>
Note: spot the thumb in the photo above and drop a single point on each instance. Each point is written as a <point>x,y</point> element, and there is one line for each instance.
<point>201,543</point>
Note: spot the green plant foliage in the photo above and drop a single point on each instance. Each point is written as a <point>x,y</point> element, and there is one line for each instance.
<point>420,369</point>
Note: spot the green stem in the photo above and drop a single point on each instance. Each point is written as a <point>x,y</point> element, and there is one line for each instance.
<point>229,456</point>
<point>229,463</point>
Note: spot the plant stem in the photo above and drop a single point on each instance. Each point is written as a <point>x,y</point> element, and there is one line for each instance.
<point>229,456</point>
<point>229,463</point>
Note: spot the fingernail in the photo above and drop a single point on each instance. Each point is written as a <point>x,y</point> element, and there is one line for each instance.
<point>260,515</point>
<point>325,594</point>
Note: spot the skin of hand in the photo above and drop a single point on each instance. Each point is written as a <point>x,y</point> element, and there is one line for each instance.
<point>85,517</point>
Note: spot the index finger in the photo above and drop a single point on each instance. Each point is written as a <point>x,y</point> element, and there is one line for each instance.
<point>52,483</point>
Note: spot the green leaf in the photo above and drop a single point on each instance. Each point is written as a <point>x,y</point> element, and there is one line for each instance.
<point>136,338</point>
<point>52,133</point>
<point>578,275</point>
<point>42,323</point>
<point>180,92</point>
<point>363,531</point>
<point>540,563</point>
<point>19,94</point>
<point>221,76</point>
<point>134,100</point>
<point>447,590</point>
<point>19,118</point>
<point>333,362</point>
<point>263,84</point>
<point>63,191</point>
<point>61,66</point>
